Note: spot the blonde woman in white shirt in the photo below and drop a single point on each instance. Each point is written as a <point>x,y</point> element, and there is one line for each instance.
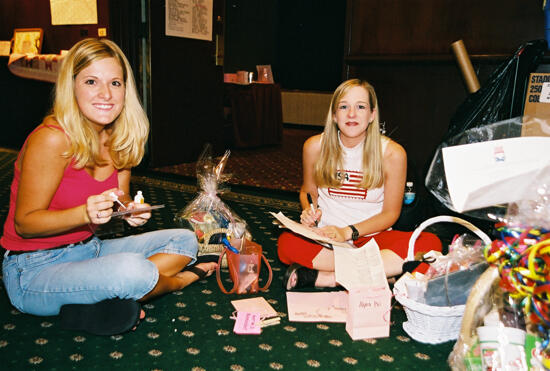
<point>355,177</point>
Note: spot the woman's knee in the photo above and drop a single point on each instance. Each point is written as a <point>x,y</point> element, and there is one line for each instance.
<point>187,238</point>
<point>133,275</point>
<point>174,241</point>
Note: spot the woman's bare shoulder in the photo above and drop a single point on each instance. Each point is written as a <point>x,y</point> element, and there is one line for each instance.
<point>395,151</point>
<point>49,137</point>
<point>312,145</point>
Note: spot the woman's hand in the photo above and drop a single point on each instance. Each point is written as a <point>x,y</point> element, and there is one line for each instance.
<point>100,207</point>
<point>136,219</point>
<point>334,233</point>
<point>309,217</point>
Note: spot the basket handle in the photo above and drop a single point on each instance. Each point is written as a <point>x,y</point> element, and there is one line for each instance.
<point>444,218</point>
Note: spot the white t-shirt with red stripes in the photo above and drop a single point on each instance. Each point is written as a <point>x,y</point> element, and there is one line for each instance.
<point>350,204</point>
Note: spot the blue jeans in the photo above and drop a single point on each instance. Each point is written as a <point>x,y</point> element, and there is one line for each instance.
<point>41,282</point>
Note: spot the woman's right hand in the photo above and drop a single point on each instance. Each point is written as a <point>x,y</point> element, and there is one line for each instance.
<point>310,217</point>
<point>99,208</point>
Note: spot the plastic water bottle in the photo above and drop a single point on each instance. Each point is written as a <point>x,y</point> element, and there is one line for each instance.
<point>409,193</point>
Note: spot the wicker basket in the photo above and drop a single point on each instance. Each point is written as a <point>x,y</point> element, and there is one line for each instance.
<point>206,248</point>
<point>433,324</point>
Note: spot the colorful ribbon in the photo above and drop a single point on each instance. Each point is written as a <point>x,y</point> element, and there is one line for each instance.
<point>522,256</point>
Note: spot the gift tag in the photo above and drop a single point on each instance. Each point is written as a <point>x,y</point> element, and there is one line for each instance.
<point>247,323</point>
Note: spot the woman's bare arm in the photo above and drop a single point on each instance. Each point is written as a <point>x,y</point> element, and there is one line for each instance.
<point>42,166</point>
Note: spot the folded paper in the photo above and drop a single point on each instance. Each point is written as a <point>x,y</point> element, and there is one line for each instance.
<point>306,231</point>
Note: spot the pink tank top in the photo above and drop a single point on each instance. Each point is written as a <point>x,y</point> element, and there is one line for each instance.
<point>74,189</point>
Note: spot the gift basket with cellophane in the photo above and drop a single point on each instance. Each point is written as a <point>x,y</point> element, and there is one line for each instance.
<point>506,325</point>
<point>207,215</point>
<point>506,322</point>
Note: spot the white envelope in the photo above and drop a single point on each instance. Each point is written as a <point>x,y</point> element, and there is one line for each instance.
<point>495,172</point>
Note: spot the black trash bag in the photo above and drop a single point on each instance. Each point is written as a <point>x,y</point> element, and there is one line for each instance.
<point>502,96</point>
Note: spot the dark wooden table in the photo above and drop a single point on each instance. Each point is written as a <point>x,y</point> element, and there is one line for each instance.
<point>256,114</point>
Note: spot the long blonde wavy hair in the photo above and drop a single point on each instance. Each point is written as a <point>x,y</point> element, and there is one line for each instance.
<point>129,130</point>
<point>331,158</point>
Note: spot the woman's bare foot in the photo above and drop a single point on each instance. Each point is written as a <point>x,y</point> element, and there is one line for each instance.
<point>292,280</point>
<point>196,273</point>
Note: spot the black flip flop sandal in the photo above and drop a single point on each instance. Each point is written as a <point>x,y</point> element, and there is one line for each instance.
<point>306,277</point>
<point>108,317</point>
<point>199,272</point>
<point>208,258</point>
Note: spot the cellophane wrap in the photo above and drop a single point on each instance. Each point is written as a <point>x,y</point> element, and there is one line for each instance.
<point>436,181</point>
<point>464,252</point>
<point>208,216</point>
<point>506,324</point>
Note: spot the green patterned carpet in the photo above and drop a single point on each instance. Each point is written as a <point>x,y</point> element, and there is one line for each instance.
<point>191,329</point>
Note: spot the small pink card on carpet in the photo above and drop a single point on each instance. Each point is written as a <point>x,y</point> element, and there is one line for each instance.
<point>247,323</point>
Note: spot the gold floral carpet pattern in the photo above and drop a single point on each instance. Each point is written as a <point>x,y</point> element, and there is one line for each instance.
<point>275,167</point>
<point>191,329</point>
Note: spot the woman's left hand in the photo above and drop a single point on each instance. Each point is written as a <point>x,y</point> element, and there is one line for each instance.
<point>333,232</point>
<point>136,219</point>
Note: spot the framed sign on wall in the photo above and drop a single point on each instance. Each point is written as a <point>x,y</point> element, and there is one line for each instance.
<point>27,40</point>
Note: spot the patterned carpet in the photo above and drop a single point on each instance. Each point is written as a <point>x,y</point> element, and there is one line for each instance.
<point>191,329</point>
<point>276,167</point>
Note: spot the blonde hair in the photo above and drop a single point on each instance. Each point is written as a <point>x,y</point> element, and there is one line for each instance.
<point>129,130</point>
<point>331,158</point>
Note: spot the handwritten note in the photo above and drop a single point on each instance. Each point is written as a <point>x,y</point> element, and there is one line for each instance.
<point>317,306</point>
<point>361,267</point>
<point>306,231</point>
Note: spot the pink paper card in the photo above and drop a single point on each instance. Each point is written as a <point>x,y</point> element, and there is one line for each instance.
<point>317,306</point>
<point>368,313</point>
<point>247,323</point>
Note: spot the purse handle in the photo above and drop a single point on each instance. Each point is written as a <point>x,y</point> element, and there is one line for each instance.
<point>222,287</point>
<point>270,274</point>
<point>218,275</point>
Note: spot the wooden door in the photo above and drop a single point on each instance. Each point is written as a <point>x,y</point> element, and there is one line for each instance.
<point>186,86</point>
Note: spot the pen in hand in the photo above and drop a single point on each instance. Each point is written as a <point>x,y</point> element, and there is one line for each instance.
<point>312,207</point>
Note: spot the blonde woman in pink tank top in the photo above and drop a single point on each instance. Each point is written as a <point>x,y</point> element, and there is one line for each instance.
<point>66,178</point>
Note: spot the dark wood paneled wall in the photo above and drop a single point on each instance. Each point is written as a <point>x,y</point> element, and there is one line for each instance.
<point>403,48</point>
<point>428,27</point>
